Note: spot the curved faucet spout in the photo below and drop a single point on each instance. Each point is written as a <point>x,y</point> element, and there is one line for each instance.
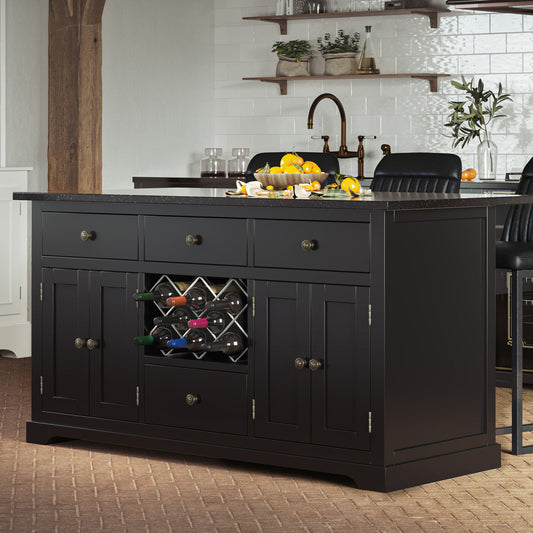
<point>343,150</point>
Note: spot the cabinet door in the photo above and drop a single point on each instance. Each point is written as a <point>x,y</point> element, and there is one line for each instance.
<point>281,334</point>
<point>65,368</point>
<point>340,388</point>
<point>114,365</point>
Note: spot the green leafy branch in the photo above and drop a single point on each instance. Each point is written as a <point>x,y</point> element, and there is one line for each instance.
<point>471,116</point>
<point>344,42</point>
<point>295,49</point>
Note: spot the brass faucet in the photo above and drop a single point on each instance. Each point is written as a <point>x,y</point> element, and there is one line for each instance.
<point>343,151</point>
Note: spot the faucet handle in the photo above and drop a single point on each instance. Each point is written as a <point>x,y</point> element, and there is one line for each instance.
<point>385,148</point>
<point>325,148</point>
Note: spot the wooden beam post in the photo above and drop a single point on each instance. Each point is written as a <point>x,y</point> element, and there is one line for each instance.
<point>75,96</point>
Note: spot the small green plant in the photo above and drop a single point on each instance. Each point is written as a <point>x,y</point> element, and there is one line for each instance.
<point>294,49</point>
<point>470,117</point>
<point>344,42</point>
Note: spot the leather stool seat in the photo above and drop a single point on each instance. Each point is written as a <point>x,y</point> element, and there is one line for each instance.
<point>418,172</point>
<point>514,255</point>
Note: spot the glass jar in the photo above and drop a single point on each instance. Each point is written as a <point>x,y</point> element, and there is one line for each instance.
<point>214,166</point>
<point>237,167</point>
<point>367,58</point>
<point>316,6</point>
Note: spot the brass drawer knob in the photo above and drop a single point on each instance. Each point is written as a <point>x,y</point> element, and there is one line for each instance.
<point>79,343</point>
<point>314,365</point>
<point>191,240</point>
<point>88,235</point>
<point>309,245</point>
<point>92,344</point>
<point>192,399</point>
<point>300,363</point>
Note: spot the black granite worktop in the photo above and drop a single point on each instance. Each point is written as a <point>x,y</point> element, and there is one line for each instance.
<point>203,196</point>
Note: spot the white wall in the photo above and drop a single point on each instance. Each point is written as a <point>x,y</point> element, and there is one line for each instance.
<point>27,88</point>
<point>401,112</point>
<point>158,88</point>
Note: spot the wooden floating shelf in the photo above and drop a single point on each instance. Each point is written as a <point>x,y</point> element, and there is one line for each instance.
<point>282,81</point>
<point>431,13</point>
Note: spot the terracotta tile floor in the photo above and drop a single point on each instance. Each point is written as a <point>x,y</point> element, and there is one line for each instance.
<point>81,487</point>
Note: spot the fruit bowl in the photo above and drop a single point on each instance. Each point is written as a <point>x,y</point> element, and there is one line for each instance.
<point>281,181</point>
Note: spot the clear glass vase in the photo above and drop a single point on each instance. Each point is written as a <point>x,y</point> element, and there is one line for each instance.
<point>487,154</point>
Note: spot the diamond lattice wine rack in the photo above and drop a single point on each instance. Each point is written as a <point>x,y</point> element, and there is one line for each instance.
<point>228,321</point>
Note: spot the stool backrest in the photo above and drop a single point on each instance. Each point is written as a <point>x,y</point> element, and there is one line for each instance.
<point>518,225</point>
<point>418,172</point>
<point>327,162</point>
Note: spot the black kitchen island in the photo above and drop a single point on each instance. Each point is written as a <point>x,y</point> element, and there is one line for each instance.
<point>367,329</point>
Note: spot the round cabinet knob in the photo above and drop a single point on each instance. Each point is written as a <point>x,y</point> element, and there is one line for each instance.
<point>309,245</point>
<point>191,240</point>
<point>192,399</point>
<point>300,363</point>
<point>79,343</point>
<point>88,235</point>
<point>314,365</point>
<point>92,344</point>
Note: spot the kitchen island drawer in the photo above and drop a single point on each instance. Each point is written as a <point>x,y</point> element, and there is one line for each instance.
<point>342,246</point>
<point>90,235</point>
<point>196,399</point>
<point>214,241</point>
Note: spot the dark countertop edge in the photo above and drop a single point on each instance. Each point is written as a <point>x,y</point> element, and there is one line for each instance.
<point>390,201</point>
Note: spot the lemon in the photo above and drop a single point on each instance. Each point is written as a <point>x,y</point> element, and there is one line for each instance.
<point>351,186</point>
<point>295,168</point>
<point>289,159</point>
<point>276,170</point>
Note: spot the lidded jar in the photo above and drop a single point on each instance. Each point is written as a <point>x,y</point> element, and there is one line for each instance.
<point>237,167</point>
<point>213,166</point>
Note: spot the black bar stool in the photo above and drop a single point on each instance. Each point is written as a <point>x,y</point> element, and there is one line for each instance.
<point>418,172</point>
<point>514,252</point>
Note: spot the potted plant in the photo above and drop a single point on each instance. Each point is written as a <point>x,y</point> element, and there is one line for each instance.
<point>470,118</point>
<point>293,57</point>
<point>340,53</point>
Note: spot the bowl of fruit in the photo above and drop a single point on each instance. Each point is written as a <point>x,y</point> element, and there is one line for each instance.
<point>292,170</point>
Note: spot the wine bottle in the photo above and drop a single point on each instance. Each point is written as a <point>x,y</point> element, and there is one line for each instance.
<point>195,298</point>
<point>193,341</point>
<point>213,320</point>
<point>158,337</point>
<point>159,294</point>
<point>231,301</point>
<point>228,344</point>
<point>178,317</point>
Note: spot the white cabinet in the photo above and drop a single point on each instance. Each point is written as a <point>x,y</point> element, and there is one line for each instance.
<point>15,326</point>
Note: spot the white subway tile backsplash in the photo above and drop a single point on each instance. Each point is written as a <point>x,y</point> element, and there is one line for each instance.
<point>473,24</point>
<point>503,63</point>
<point>506,22</point>
<point>489,44</point>
<point>474,64</point>
<point>400,111</point>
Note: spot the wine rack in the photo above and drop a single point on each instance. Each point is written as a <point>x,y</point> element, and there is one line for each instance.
<point>216,289</point>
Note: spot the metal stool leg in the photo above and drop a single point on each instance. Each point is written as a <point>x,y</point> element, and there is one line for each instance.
<point>517,428</point>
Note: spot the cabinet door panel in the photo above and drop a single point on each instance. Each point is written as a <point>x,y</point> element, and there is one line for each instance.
<point>114,363</point>
<point>340,389</point>
<point>280,336</point>
<point>65,317</point>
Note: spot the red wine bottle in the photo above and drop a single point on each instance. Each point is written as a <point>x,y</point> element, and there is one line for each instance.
<point>158,337</point>
<point>214,320</point>
<point>193,341</point>
<point>195,298</point>
<point>159,294</point>
<point>228,344</point>
<point>178,318</point>
<point>231,301</point>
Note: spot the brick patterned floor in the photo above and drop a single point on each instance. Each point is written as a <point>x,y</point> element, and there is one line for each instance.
<point>81,487</point>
